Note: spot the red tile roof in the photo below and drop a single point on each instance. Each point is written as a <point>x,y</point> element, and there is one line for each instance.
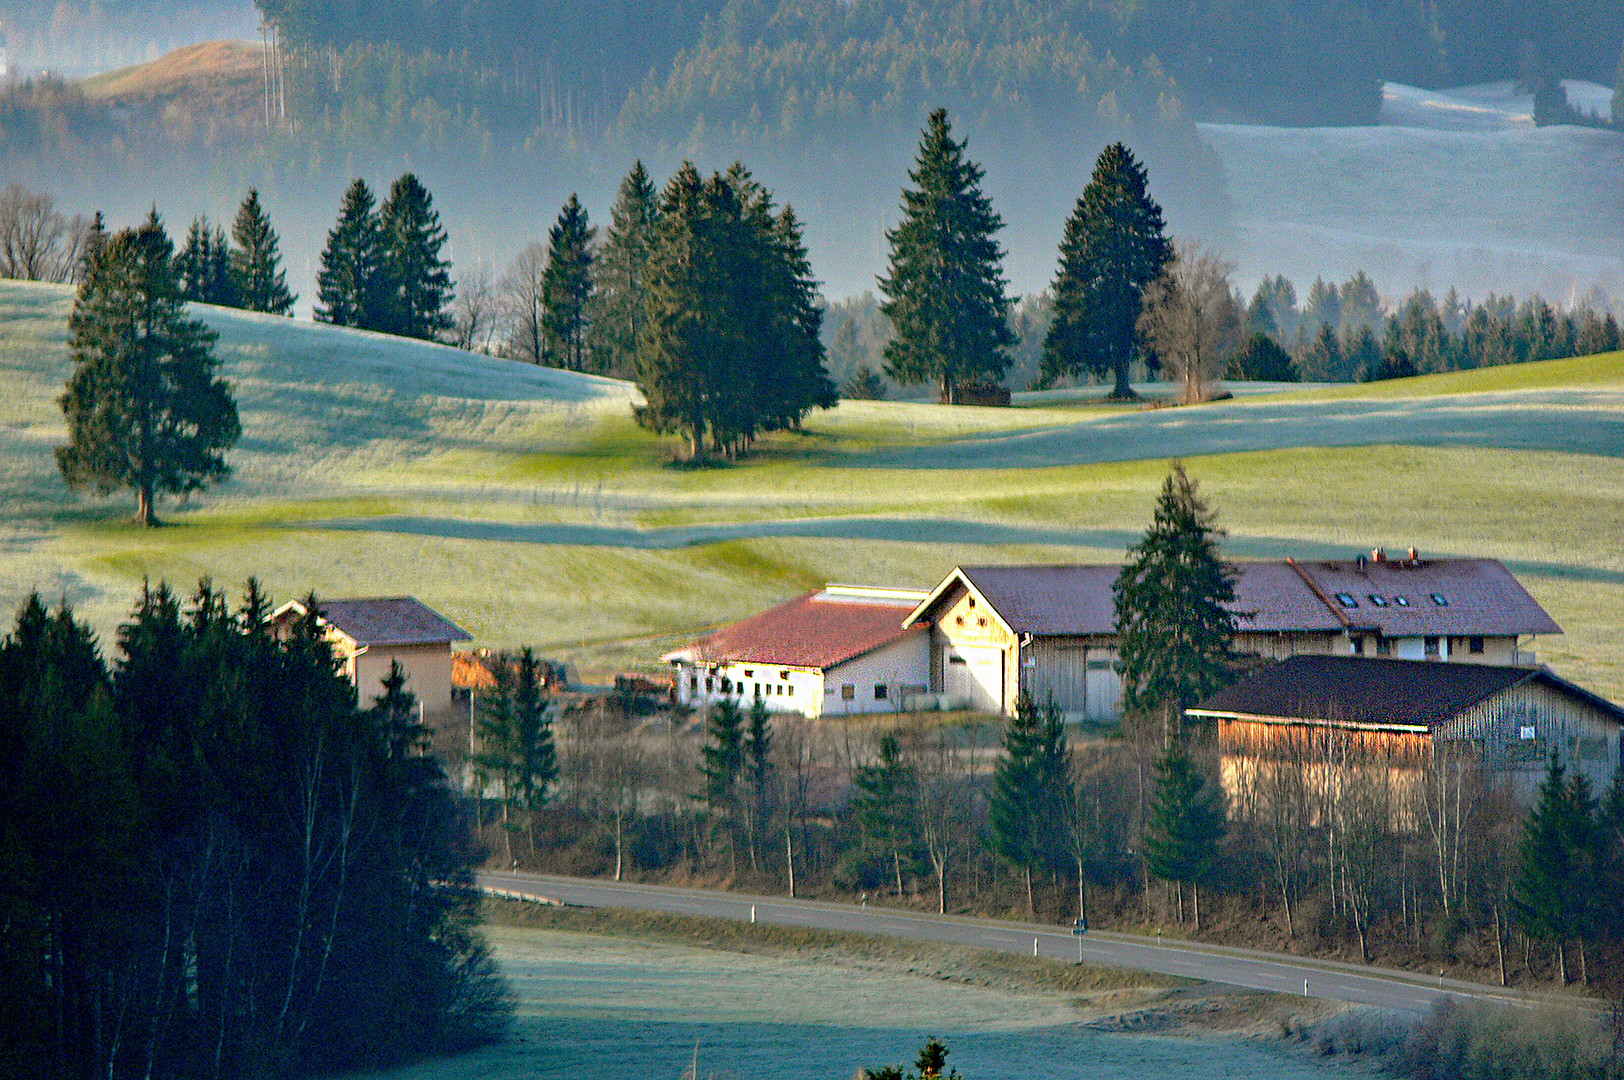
<point>818,630</point>
<point>1360,690</point>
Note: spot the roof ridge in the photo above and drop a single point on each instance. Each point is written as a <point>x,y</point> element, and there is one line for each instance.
<point>1314,587</point>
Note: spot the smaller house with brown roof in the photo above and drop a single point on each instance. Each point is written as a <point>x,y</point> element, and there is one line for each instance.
<point>838,651</point>
<point>1315,713</point>
<point>370,633</point>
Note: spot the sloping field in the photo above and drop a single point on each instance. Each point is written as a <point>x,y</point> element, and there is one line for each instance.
<point>525,504</point>
<point>1454,188</point>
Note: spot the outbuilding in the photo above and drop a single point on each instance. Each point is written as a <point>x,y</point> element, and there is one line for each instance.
<point>370,633</point>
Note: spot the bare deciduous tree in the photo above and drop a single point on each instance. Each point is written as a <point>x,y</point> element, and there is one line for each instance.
<point>473,312</point>
<point>1192,319</point>
<point>523,337</point>
<point>37,243</point>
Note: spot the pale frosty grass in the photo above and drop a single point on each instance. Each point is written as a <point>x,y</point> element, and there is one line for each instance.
<point>525,505</point>
<point>1455,188</point>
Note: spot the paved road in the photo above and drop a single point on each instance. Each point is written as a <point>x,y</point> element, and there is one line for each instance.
<point>1379,987</point>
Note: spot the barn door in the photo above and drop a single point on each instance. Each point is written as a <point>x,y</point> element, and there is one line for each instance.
<point>975,674</point>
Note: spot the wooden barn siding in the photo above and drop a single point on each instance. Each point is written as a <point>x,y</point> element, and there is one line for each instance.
<point>1586,740</point>
<point>1059,667</point>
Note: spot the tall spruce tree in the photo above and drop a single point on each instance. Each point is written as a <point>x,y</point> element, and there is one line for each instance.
<point>1171,615</point>
<point>620,274</point>
<point>349,285</point>
<point>256,271</point>
<point>730,346</point>
<point>1554,897</point>
<point>1030,783</point>
<point>145,406</point>
<point>945,290</point>
<point>416,280</point>
<point>884,804</point>
<point>566,286</point>
<point>1113,248</point>
<point>203,265</point>
<point>1187,823</point>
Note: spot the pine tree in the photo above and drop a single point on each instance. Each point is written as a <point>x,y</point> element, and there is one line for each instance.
<point>256,273</point>
<point>883,801</point>
<point>1187,823</point>
<point>721,763</point>
<point>144,405</point>
<point>758,769</point>
<point>1030,782</point>
<point>944,288</point>
<point>203,265</point>
<point>1555,895</point>
<point>1113,248</point>
<point>567,286</point>
<point>1174,628</point>
<point>797,378</point>
<point>416,280</point>
<point>620,274</point>
<point>349,285</point>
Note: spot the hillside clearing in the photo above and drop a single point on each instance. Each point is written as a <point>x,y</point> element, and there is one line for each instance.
<point>525,504</point>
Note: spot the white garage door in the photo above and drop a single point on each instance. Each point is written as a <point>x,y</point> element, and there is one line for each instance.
<point>976,674</point>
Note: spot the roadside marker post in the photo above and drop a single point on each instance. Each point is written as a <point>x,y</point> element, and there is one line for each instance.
<point>1305,988</point>
<point>752,914</point>
<point>1034,946</point>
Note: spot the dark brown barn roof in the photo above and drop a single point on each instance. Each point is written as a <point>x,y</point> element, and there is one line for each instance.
<point>818,630</point>
<point>1479,597</point>
<point>384,620</point>
<point>1362,690</point>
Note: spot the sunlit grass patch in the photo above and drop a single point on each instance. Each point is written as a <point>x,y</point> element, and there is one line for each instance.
<point>1603,371</point>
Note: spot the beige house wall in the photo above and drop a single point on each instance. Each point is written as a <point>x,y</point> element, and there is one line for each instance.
<point>969,623</point>
<point>427,667</point>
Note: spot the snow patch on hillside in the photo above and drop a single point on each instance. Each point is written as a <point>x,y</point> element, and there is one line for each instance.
<point>1455,188</point>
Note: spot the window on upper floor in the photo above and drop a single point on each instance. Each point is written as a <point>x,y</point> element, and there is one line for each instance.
<point>1474,646</point>
<point>881,691</point>
<point>1430,646</point>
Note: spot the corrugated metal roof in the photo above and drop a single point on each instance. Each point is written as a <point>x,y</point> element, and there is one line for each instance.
<point>1481,598</point>
<point>1362,690</point>
<point>818,630</point>
<point>385,620</point>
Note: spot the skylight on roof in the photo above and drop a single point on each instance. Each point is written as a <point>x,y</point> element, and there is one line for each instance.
<point>1402,601</point>
<point>1440,599</point>
<point>1378,600</point>
<point>1346,600</point>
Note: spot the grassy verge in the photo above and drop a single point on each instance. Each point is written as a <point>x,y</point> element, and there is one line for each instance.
<point>949,962</point>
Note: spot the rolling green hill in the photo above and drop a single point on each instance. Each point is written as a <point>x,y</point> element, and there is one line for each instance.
<point>525,504</point>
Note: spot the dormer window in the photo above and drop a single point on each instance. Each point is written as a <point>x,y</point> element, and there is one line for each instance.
<point>1377,600</point>
<point>1346,600</point>
<point>1439,599</point>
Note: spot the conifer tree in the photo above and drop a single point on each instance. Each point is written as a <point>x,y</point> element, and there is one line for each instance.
<point>145,406</point>
<point>1113,248</point>
<point>758,769</point>
<point>416,280</point>
<point>349,284</point>
<point>567,286</point>
<point>944,288</point>
<point>1554,893</point>
<point>883,802</point>
<point>1030,783</point>
<point>721,764</point>
<point>1187,823</point>
<point>203,265</point>
<point>620,274</point>
<point>1171,615</point>
<point>256,272</point>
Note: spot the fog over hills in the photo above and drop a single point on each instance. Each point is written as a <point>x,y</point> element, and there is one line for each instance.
<point>1456,188</point>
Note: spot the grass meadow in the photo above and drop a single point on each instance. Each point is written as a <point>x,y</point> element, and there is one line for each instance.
<point>525,504</point>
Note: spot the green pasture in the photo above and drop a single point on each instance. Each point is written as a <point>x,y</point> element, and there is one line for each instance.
<point>526,505</point>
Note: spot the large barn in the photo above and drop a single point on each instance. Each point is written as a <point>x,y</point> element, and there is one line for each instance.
<point>1313,713</point>
<point>1050,631</point>
<point>370,633</point>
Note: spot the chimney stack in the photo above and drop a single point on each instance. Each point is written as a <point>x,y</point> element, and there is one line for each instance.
<point>1415,556</point>
<point>1378,555</point>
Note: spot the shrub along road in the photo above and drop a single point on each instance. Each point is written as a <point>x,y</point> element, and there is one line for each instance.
<point>1382,988</point>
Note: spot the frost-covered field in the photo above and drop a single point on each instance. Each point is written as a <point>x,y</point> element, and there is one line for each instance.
<point>608,1007</point>
<point>1455,189</point>
<point>526,505</point>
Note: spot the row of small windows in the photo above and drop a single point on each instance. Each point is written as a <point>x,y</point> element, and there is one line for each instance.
<point>1429,646</point>
<point>728,686</point>
<point>1348,600</point>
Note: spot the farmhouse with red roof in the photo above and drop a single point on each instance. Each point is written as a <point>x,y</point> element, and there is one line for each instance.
<point>837,651</point>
